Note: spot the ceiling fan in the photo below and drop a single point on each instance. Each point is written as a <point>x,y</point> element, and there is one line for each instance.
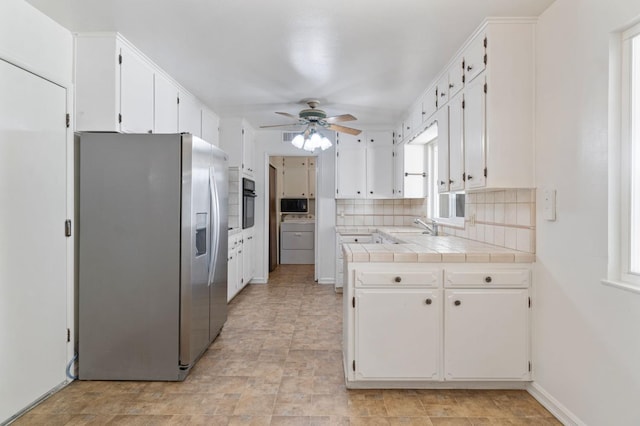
<point>315,118</point>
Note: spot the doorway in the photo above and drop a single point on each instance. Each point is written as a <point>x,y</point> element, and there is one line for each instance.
<point>292,210</point>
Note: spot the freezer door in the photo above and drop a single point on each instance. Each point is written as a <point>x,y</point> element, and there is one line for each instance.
<point>196,248</point>
<point>219,187</point>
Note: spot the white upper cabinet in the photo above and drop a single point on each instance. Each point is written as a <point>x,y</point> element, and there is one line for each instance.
<point>456,143</point>
<point>165,105</point>
<point>442,118</point>
<point>474,132</point>
<point>429,103</point>
<point>210,126</point>
<point>442,90</point>
<point>364,165</point>
<point>237,140</point>
<point>499,106</point>
<point>456,77</point>
<point>311,162</point>
<point>189,115</point>
<point>475,59</point>
<point>118,89</point>
<point>398,170</point>
<point>136,93</point>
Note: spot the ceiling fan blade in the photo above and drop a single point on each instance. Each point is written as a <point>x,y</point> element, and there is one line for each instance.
<point>286,114</point>
<point>344,129</point>
<point>340,118</point>
<point>281,125</point>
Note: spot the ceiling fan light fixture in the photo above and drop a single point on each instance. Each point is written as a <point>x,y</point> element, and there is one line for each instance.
<point>325,143</point>
<point>298,141</point>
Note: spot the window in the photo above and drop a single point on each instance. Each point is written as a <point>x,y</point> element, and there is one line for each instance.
<point>447,208</point>
<point>624,165</point>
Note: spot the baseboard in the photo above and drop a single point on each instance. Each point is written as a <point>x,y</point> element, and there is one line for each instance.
<point>259,280</point>
<point>326,281</point>
<point>556,408</point>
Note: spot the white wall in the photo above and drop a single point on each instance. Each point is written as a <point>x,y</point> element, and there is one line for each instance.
<point>269,142</point>
<point>586,335</point>
<point>33,41</point>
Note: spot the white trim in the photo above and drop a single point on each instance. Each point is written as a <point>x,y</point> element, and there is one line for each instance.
<point>561,412</point>
<point>621,285</point>
<point>329,280</point>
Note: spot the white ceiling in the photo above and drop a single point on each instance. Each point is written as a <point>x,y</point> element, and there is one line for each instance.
<point>370,58</point>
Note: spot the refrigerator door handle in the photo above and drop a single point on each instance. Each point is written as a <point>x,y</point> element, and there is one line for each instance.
<point>214,226</point>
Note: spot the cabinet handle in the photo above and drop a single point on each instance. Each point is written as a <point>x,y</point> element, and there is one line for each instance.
<point>442,182</point>
<point>424,112</point>
<point>371,140</point>
<point>469,177</point>
<point>469,67</point>
<point>397,279</point>
<point>451,181</point>
<point>457,303</point>
<point>487,279</point>
<point>355,240</point>
<point>450,86</point>
<point>358,192</point>
<point>359,140</point>
<point>298,234</point>
<point>442,95</point>
<point>428,301</point>
<point>303,193</point>
<point>370,192</point>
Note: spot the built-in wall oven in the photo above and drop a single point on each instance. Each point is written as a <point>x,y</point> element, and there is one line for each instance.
<point>248,203</point>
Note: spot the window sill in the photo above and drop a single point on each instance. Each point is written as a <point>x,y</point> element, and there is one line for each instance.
<point>621,285</point>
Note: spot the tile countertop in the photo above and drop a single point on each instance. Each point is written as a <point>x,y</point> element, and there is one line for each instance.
<point>413,246</point>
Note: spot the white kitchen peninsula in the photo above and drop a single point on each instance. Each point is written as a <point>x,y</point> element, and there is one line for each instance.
<point>435,312</point>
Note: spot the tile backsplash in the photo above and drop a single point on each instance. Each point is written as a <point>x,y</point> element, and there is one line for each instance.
<point>504,218</point>
<point>379,212</point>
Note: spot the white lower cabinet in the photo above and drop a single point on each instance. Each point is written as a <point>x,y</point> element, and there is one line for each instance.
<point>397,334</point>
<point>232,268</point>
<point>248,255</point>
<point>417,324</point>
<point>486,334</point>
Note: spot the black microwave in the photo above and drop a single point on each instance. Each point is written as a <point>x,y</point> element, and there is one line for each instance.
<point>294,205</point>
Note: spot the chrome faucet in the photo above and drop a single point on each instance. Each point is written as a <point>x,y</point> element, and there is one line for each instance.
<point>433,229</point>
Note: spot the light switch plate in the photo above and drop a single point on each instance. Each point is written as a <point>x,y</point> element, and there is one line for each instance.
<point>549,204</point>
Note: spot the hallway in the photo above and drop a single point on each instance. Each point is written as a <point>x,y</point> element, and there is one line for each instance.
<point>278,361</point>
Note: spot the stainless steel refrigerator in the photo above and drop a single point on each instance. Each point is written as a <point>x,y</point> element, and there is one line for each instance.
<point>152,246</point>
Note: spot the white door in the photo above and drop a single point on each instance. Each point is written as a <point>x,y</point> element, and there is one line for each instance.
<point>351,171</point>
<point>379,170</point>
<point>165,105</point>
<point>474,133</point>
<point>486,334</point>
<point>443,149</point>
<point>240,266</point>
<point>232,270</point>
<point>136,94</point>
<point>33,246</point>
<point>311,161</point>
<point>248,256</point>
<point>456,143</point>
<point>397,334</point>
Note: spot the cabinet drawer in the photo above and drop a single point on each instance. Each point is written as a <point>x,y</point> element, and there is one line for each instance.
<point>412,278</point>
<point>489,278</point>
<point>297,240</point>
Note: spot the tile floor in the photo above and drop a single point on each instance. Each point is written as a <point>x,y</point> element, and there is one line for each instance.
<point>277,362</point>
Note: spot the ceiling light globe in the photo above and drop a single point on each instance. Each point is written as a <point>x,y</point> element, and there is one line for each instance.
<point>325,143</point>
<point>298,141</point>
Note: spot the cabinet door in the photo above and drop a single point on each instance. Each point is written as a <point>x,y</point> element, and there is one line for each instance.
<point>189,118</point>
<point>486,334</point>
<point>456,80</point>
<point>351,171</point>
<point>210,125</point>
<point>240,281</point>
<point>248,256</point>
<point>311,162</point>
<point>429,103</point>
<point>248,149</point>
<point>295,175</point>
<point>232,271</point>
<point>456,143</point>
<point>397,334</point>
<point>443,90</point>
<point>399,133</point>
<point>379,170</point>
<point>474,134</point>
<point>474,58</point>
<point>165,117</point>
<point>443,149</point>
<point>398,168</point>
<point>136,93</point>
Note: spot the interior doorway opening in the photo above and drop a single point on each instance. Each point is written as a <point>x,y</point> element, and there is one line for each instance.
<point>292,210</point>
